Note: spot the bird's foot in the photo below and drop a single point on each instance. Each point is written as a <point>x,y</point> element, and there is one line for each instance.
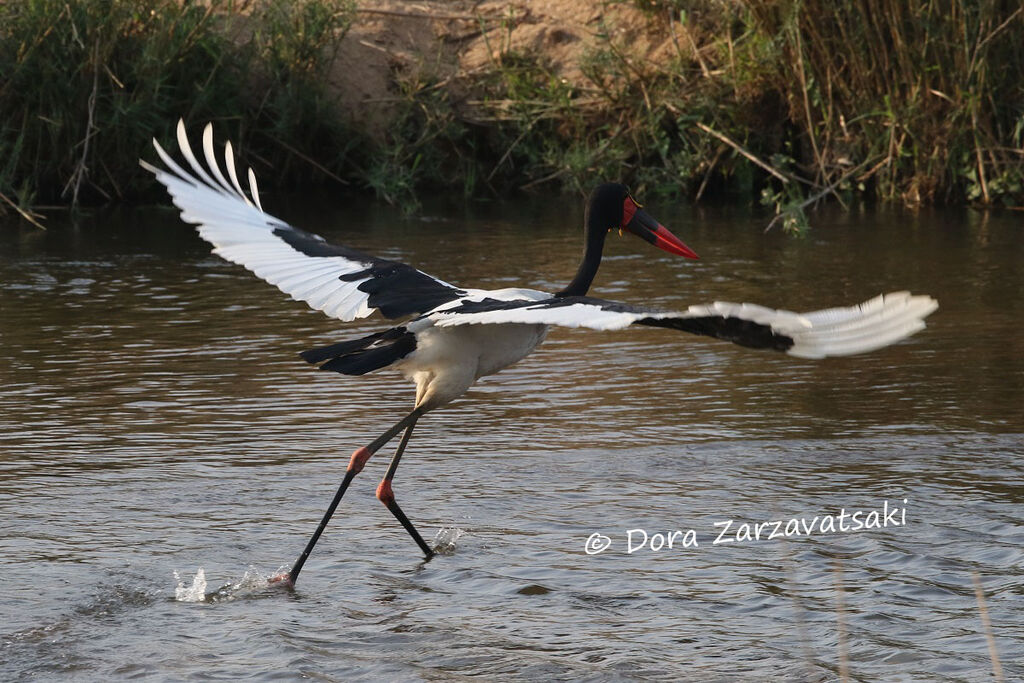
<point>284,579</point>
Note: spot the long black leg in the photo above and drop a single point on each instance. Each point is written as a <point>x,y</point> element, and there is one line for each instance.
<point>355,466</point>
<point>387,496</point>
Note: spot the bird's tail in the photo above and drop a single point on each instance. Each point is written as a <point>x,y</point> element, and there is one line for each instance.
<point>360,356</point>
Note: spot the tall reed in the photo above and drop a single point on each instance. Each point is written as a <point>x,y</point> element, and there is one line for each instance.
<point>930,94</point>
<point>84,85</point>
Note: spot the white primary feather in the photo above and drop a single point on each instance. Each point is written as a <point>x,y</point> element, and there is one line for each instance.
<point>876,323</point>
<point>241,232</point>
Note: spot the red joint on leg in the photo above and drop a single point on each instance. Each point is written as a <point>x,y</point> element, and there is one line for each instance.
<point>384,492</point>
<point>359,459</point>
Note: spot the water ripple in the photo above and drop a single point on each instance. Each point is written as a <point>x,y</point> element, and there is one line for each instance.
<point>155,417</point>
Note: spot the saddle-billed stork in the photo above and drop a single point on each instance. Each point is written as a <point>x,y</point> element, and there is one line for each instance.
<point>452,336</point>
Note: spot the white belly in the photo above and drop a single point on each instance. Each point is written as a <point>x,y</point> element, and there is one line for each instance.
<point>448,360</point>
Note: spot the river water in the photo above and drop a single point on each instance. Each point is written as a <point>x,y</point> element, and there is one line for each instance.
<point>155,419</point>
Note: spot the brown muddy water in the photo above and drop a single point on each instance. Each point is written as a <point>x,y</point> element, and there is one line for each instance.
<point>155,418</point>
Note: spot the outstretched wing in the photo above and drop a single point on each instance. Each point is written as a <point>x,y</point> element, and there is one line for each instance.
<point>871,325</point>
<point>341,282</point>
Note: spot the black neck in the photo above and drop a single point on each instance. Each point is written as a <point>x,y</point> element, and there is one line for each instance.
<point>593,246</point>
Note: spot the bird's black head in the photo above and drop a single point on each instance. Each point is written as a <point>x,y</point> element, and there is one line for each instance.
<point>611,207</point>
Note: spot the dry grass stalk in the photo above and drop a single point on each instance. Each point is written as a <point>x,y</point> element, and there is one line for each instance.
<point>979,593</point>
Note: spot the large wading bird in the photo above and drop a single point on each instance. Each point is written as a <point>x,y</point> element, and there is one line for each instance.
<point>452,336</point>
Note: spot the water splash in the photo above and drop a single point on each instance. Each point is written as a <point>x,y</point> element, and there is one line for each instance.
<point>194,593</point>
<point>446,539</point>
<point>253,582</point>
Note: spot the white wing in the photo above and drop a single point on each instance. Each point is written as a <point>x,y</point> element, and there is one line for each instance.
<point>342,282</point>
<point>871,325</point>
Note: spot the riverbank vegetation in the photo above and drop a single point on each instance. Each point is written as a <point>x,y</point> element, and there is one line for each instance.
<point>785,103</point>
<point>86,84</point>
